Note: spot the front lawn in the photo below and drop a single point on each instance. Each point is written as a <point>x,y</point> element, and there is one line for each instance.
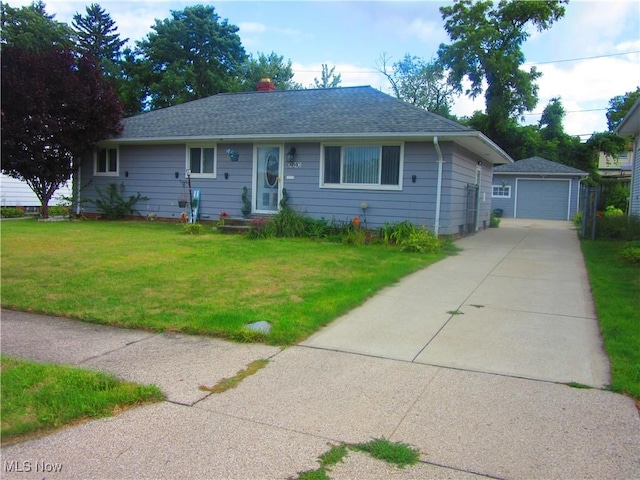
<point>152,276</point>
<point>38,397</point>
<point>616,292</point>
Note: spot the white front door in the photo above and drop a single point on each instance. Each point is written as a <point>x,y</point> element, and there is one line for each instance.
<point>267,175</point>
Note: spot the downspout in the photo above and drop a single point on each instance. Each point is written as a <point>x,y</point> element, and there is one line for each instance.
<point>438,187</point>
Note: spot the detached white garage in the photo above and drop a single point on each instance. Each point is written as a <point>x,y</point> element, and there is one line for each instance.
<point>536,188</point>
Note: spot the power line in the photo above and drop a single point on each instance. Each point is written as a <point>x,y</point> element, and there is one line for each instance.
<point>584,58</point>
<point>533,63</point>
<point>572,111</point>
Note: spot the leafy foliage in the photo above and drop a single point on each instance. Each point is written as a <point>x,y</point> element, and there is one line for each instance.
<point>11,212</point>
<point>113,203</point>
<point>31,28</point>
<point>420,83</point>
<point>630,253</point>
<point>55,107</point>
<point>328,79</point>
<point>96,36</point>
<point>486,46</point>
<point>270,66</point>
<point>191,55</point>
<point>619,106</point>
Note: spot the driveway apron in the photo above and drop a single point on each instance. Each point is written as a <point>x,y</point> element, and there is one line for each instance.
<point>515,301</point>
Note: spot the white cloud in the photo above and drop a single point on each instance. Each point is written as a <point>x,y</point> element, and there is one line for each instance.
<point>252,27</point>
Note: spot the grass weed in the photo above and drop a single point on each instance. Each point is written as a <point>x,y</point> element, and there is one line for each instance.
<point>40,397</point>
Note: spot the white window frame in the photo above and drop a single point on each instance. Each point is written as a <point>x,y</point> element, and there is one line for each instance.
<point>506,188</point>
<point>202,146</point>
<point>107,173</point>
<point>362,186</point>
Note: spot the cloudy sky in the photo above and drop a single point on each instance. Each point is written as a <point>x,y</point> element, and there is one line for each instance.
<point>588,57</point>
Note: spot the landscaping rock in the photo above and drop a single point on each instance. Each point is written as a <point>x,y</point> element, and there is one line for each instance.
<point>262,326</point>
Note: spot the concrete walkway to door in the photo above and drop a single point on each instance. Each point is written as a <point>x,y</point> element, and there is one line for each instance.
<point>515,301</point>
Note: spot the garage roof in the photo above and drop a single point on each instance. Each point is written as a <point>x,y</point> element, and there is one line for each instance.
<point>538,165</point>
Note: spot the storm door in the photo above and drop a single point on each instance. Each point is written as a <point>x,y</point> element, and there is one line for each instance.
<point>267,179</point>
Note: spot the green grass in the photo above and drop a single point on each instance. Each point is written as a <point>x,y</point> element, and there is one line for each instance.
<point>38,398</point>
<point>150,275</point>
<point>616,292</point>
<point>395,453</point>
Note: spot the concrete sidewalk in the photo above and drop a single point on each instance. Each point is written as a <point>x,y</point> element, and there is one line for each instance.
<point>476,391</point>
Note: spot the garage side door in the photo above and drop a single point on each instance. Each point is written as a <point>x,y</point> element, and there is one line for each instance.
<point>543,199</point>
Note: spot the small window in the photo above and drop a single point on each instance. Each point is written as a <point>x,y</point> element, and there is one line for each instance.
<point>501,191</point>
<point>106,162</point>
<point>362,166</point>
<point>201,160</point>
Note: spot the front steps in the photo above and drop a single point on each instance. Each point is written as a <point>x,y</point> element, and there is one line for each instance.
<point>235,225</point>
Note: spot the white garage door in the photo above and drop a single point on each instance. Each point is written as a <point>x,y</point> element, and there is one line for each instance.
<point>543,199</point>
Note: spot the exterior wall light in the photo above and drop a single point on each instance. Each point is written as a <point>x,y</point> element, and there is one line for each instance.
<point>233,155</point>
<point>291,155</point>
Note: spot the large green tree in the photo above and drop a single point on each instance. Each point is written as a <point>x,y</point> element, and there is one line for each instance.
<point>486,49</point>
<point>420,83</point>
<point>97,36</point>
<point>191,55</point>
<point>271,66</point>
<point>31,28</point>
<point>55,106</point>
<point>619,106</point>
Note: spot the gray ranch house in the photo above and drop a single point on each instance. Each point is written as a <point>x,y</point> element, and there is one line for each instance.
<point>537,188</point>
<point>630,125</point>
<point>332,153</point>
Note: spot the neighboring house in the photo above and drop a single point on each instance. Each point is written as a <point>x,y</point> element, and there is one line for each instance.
<point>537,188</point>
<point>334,150</point>
<point>616,167</point>
<point>16,193</point>
<point>630,125</point>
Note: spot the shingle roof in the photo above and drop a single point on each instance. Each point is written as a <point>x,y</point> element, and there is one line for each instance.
<point>538,165</point>
<point>340,111</point>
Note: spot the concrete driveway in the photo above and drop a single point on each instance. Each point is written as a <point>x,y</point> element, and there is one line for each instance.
<point>475,391</point>
<point>515,301</point>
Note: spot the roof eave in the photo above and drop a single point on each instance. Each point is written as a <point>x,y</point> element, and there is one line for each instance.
<point>630,124</point>
<point>545,174</point>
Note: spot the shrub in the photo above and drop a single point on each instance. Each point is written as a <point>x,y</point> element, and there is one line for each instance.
<point>259,228</point>
<point>422,241</point>
<point>113,203</point>
<point>577,220</point>
<point>618,227</point>
<point>193,228</point>
<point>355,236</point>
<point>612,211</point>
<point>11,212</point>
<point>494,222</point>
<point>58,211</point>
<point>630,253</point>
<point>288,223</point>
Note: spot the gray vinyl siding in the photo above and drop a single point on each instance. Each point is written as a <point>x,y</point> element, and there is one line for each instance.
<point>460,169</point>
<point>505,204</point>
<point>635,182</point>
<point>415,202</point>
<point>152,173</point>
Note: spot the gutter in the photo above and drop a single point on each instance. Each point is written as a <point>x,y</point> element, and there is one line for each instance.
<point>436,228</point>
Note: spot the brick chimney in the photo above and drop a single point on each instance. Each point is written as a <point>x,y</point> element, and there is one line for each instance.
<point>265,85</point>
